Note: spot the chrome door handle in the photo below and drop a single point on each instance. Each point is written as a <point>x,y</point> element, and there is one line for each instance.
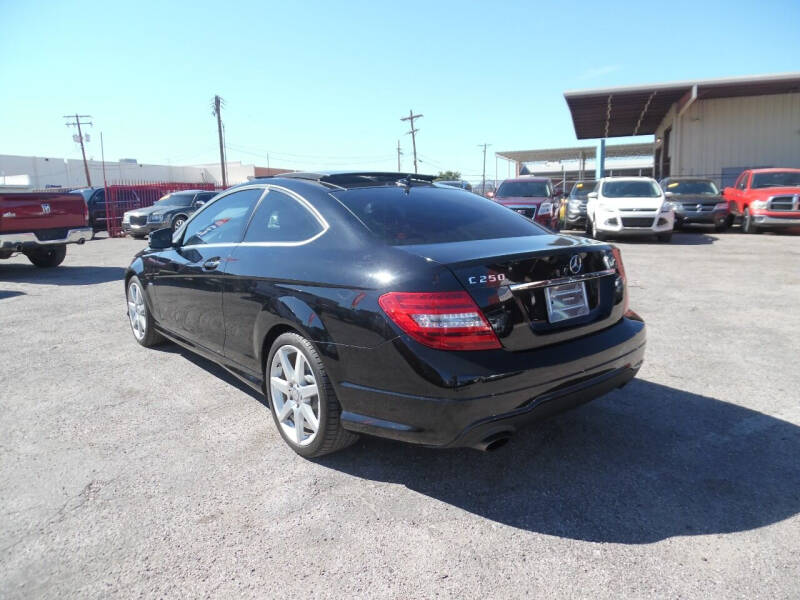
<point>211,264</point>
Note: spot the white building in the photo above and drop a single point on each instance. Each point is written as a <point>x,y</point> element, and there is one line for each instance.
<point>38,172</point>
<point>714,128</point>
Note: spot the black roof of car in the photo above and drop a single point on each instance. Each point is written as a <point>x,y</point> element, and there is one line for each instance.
<point>354,179</point>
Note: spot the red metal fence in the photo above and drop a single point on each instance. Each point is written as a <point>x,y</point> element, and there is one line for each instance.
<point>121,197</point>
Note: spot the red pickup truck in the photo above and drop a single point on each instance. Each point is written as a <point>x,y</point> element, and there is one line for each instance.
<point>766,199</point>
<point>40,225</point>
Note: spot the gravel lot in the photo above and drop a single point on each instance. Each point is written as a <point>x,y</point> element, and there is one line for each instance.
<point>152,473</point>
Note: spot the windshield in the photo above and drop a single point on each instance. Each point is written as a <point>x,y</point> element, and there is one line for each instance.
<point>778,179</point>
<point>434,215</point>
<point>581,190</point>
<point>524,189</point>
<point>700,186</point>
<point>175,200</point>
<point>631,189</point>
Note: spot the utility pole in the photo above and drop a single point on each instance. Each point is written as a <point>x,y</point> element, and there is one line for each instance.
<point>483,185</point>
<point>218,113</point>
<point>399,154</point>
<point>411,116</point>
<point>77,123</point>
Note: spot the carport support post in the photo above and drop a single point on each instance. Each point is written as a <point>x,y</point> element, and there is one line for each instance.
<point>600,160</point>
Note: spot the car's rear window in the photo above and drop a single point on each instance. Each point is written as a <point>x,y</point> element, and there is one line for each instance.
<point>433,215</point>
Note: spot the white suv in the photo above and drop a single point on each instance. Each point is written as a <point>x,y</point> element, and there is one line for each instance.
<point>621,206</point>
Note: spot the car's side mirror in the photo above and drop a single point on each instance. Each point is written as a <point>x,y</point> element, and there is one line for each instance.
<point>591,195</point>
<point>490,194</point>
<point>669,194</point>
<point>198,203</point>
<point>161,239</point>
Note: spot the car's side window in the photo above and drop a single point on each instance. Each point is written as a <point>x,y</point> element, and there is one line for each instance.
<point>223,221</point>
<point>743,181</point>
<point>281,218</point>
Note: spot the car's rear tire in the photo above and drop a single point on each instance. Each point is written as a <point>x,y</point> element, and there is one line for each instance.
<point>47,256</point>
<point>141,321</point>
<point>300,393</point>
<point>747,223</point>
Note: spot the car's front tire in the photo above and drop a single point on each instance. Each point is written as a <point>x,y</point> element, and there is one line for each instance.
<point>139,316</point>
<point>178,221</point>
<point>47,256</point>
<point>747,223</point>
<point>595,233</point>
<point>301,398</point>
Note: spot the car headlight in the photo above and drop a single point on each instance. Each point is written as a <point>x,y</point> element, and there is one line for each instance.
<point>604,206</point>
<point>126,218</point>
<point>667,207</point>
<point>758,204</point>
<point>546,208</point>
<point>721,206</point>
<point>155,218</point>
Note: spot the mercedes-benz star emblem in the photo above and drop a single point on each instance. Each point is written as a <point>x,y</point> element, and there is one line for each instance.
<point>575,264</point>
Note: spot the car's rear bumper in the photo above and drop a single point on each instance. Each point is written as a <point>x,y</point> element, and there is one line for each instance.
<point>33,239</point>
<point>494,392</point>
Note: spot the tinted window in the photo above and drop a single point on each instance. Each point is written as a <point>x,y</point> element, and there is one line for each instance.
<point>631,189</point>
<point>176,200</point>
<point>525,189</point>
<point>281,218</point>
<point>205,196</point>
<point>581,189</point>
<point>701,186</point>
<point>434,215</point>
<point>222,221</point>
<point>779,179</point>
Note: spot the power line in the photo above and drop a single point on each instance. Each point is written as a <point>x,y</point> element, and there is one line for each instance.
<point>483,184</point>
<point>217,112</point>
<point>77,123</point>
<point>411,116</point>
<point>399,153</point>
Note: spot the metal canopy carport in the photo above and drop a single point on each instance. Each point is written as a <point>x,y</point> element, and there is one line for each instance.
<point>557,154</point>
<point>638,110</point>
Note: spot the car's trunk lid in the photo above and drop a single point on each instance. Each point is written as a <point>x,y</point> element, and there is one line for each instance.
<point>508,277</point>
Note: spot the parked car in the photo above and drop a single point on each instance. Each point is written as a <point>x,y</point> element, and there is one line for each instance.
<point>95,198</point>
<point>379,303</point>
<point>766,199</point>
<point>696,201</point>
<point>532,197</point>
<point>464,185</point>
<point>628,206</point>
<point>575,217</point>
<point>40,225</point>
<point>171,210</point>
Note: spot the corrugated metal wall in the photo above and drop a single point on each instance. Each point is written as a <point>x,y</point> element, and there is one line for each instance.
<point>743,132</point>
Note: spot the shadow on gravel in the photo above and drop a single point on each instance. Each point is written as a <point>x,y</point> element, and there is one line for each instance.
<point>10,294</point>
<point>61,275</point>
<point>646,463</point>
<point>212,368</point>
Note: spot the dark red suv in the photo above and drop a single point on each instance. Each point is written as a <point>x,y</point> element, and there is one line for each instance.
<point>531,197</point>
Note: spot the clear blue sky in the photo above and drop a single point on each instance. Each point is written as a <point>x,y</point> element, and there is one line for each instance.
<point>324,84</point>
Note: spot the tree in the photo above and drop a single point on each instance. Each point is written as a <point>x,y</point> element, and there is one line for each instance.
<point>449,176</point>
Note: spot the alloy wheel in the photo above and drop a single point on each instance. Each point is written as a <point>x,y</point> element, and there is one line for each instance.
<point>295,395</point>
<point>137,311</point>
<point>178,222</point>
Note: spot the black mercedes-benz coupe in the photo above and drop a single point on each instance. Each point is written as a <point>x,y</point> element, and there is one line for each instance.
<point>379,303</point>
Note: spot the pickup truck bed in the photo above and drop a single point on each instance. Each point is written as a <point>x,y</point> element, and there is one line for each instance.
<point>41,224</point>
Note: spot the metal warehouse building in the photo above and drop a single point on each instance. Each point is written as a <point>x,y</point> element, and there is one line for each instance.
<point>714,128</point>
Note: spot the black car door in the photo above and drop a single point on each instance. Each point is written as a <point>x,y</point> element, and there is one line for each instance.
<point>97,210</point>
<point>270,258</point>
<point>188,279</point>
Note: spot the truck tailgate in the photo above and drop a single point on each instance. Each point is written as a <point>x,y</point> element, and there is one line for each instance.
<point>25,212</point>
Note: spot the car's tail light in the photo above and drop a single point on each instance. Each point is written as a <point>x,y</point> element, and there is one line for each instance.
<point>621,273</point>
<point>86,213</point>
<point>443,320</point>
